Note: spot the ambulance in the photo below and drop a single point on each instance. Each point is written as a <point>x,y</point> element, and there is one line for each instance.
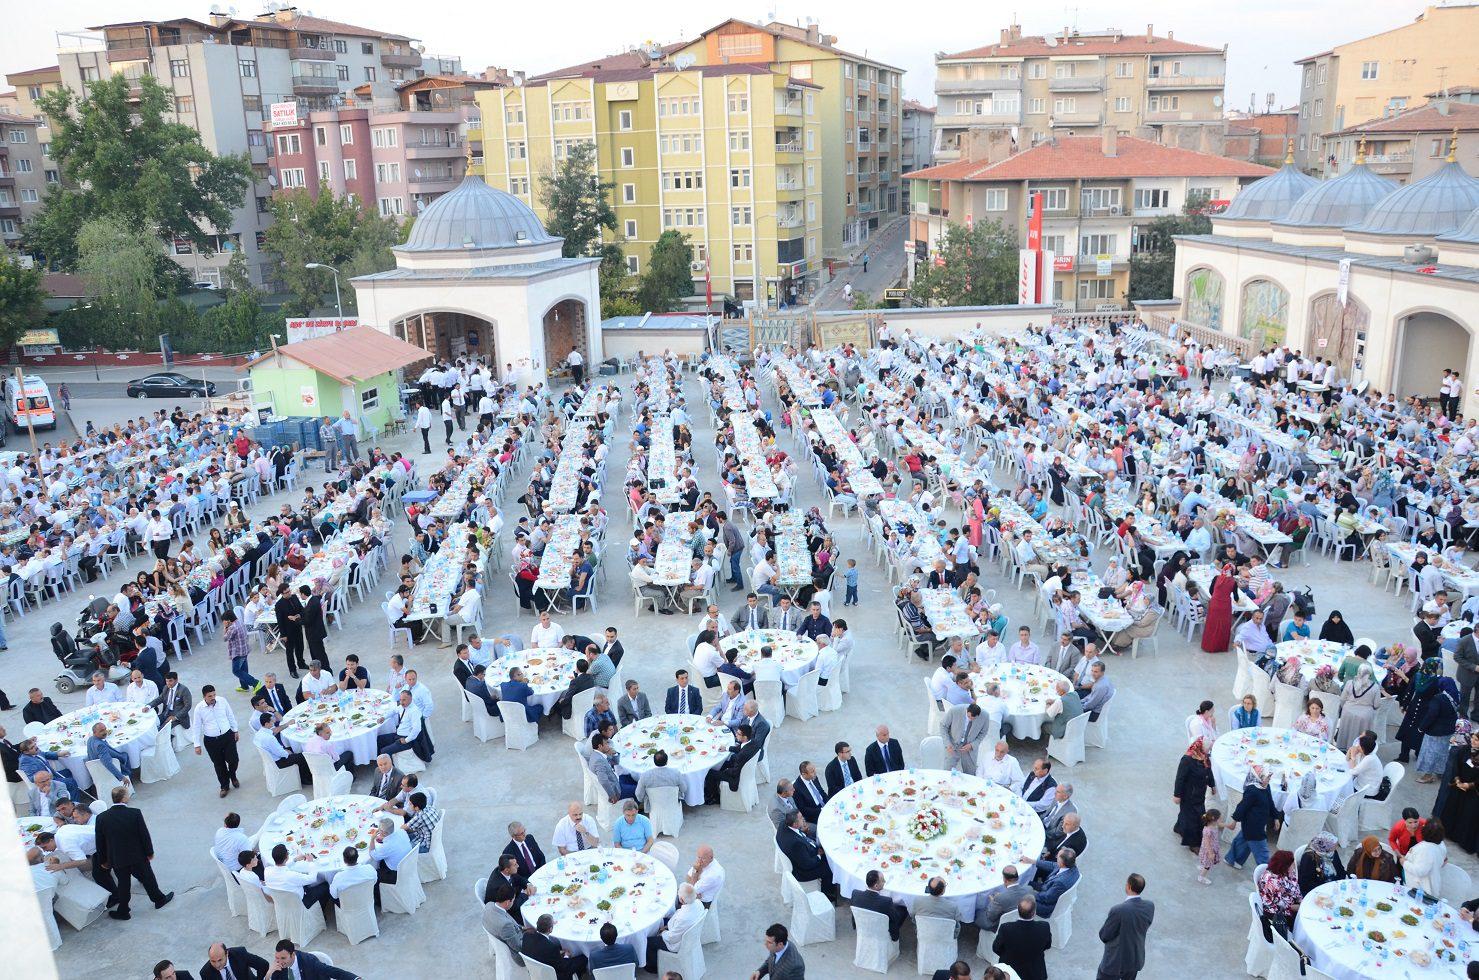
<point>29,400</point>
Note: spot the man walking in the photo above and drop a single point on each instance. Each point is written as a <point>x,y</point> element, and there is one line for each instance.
<point>125,848</point>
<point>238,649</point>
<point>1123,933</point>
<point>577,366</point>
<point>349,436</point>
<point>215,732</point>
<point>423,423</point>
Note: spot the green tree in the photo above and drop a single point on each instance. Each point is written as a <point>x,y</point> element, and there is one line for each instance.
<point>668,277</point>
<point>120,158</point>
<point>121,264</point>
<point>22,296</point>
<point>615,282</point>
<point>577,202</point>
<point>336,231</point>
<point>980,268</point>
<point>1153,267</point>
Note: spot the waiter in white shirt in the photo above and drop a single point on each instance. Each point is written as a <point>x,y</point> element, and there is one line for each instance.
<point>214,727</point>
<point>423,423</point>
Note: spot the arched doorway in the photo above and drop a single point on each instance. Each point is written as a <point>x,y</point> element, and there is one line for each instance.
<point>1334,329</point>
<point>1204,289</point>
<point>564,331</point>
<point>449,334</point>
<point>1264,316</point>
<point>1427,343</point>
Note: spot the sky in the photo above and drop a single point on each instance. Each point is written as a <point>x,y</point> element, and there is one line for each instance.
<point>1263,37</point>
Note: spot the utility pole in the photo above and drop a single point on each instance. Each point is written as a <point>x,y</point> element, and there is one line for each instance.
<point>20,384</point>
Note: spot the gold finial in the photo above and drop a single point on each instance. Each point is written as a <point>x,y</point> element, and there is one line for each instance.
<point>1453,146</point>
<point>1361,152</point>
<point>1289,151</point>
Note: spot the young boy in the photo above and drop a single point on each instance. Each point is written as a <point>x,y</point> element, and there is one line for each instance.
<point>850,598</point>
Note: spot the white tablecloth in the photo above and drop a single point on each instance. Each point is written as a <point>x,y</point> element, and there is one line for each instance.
<point>131,727</point>
<point>693,743</point>
<point>1319,653</point>
<point>794,653</point>
<point>986,827</point>
<point>1026,689</point>
<point>1336,923</point>
<point>356,720</point>
<point>548,670</point>
<point>317,832</point>
<point>947,614</point>
<point>647,892</point>
<point>1281,752</point>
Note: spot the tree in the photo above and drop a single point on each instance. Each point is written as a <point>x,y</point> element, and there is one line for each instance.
<point>22,296</point>
<point>615,283</point>
<point>120,158</point>
<point>336,231</point>
<point>1153,267</point>
<point>577,202</point>
<point>121,264</point>
<point>979,269</point>
<point>668,277</point>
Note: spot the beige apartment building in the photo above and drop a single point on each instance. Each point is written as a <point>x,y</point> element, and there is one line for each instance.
<point>1382,75</point>
<point>22,174</point>
<point>1025,89</point>
<point>1410,145</point>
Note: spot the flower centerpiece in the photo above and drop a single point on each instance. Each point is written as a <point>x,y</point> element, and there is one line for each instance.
<point>927,824</point>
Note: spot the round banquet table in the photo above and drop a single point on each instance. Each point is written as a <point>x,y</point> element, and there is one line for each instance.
<point>1314,654</point>
<point>986,827</point>
<point>131,727</point>
<point>644,888</point>
<point>548,670</point>
<point>29,827</point>
<point>794,653</point>
<point>1336,923</point>
<point>693,743</point>
<point>1026,689</point>
<point>1281,752</point>
<point>376,713</point>
<point>317,832</point>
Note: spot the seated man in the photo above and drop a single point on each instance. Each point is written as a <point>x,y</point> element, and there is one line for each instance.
<point>873,900</point>
<point>113,760</point>
<point>611,952</point>
<point>307,888</point>
<point>268,740</point>
<point>659,775</point>
<point>516,691</point>
<point>542,947</point>
<point>730,708</point>
<point>1060,876</point>
<point>670,937</point>
<point>808,863</point>
<point>408,729</point>
<point>744,749</point>
<point>477,686</point>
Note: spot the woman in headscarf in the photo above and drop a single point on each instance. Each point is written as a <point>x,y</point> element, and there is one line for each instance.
<point>1373,863</point>
<point>1292,673</point>
<point>1114,577</point>
<point>1358,701</point>
<point>1193,779</point>
<point>1320,864</point>
<point>1423,686</point>
<point>1174,566</point>
<point>1325,680</point>
<point>1437,724</point>
<point>1217,630</point>
<point>1402,663</point>
<point>1336,630</point>
<point>1461,810</point>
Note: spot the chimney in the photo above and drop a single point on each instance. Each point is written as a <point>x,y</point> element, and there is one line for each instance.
<point>1149,33</point>
<point>814,33</point>
<point>1170,35</point>
<point>1109,145</point>
<point>1443,108</point>
<point>1006,35</point>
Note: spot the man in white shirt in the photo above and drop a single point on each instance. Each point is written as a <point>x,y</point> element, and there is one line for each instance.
<point>465,610</point>
<point>547,634</point>
<point>990,651</point>
<point>1024,651</point>
<point>140,689</point>
<point>316,681</point>
<point>158,533</point>
<point>230,842</point>
<point>943,678</point>
<point>407,729</point>
<point>706,876</point>
<point>101,691</point>
<point>266,739</point>
<point>1000,767</point>
<point>690,910</point>
<point>423,424</point>
<point>280,877</point>
<point>390,847</point>
<point>828,660</point>
<point>353,874</point>
<point>576,831</point>
<point>213,725</point>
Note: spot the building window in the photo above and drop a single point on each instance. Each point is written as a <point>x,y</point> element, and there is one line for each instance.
<point>1054,198</point>
<point>289,143</point>
<point>391,206</point>
<point>29,195</point>
<point>387,173</point>
<point>1122,104</point>
<point>739,177</point>
<point>1097,244</point>
<point>370,75</point>
<point>89,73</point>
<point>1096,289</point>
<point>629,193</point>
<point>996,199</point>
<point>741,217</point>
<point>369,399</point>
<point>1066,105</point>
<point>341,46</point>
<point>184,104</point>
<point>739,140</point>
<point>1053,243</point>
<point>1165,103</point>
<point>46,147</point>
<point>343,72</point>
<point>739,102</point>
<point>1319,108</point>
<point>323,171</point>
<point>179,68</point>
<point>683,217</point>
<point>1124,69</point>
<point>811,175</point>
<point>293,177</point>
<point>351,170</point>
<point>744,252</point>
<point>632,265</point>
<point>1037,69</point>
<point>1036,106</point>
<point>1369,71</point>
<point>320,136</point>
<point>628,156</point>
<point>34,92</point>
<point>518,150</point>
<point>624,119</point>
<point>811,139</point>
<point>23,166</point>
<point>383,138</point>
<point>1151,198</point>
<point>513,114</point>
<point>251,103</point>
<point>811,211</point>
<point>811,104</point>
<point>53,176</point>
<point>629,228</point>
<point>366,47</point>
<point>1099,198</point>
<point>247,67</point>
<point>687,105</point>
<point>1206,193</point>
<point>1320,75</point>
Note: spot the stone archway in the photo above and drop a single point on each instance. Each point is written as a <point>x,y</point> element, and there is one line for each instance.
<point>1428,341</point>
<point>1338,327</point>
<point>450,334</point>
<point>564,331</point>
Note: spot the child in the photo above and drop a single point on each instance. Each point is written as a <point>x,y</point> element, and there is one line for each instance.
<point>850,598</point>
<point>1210,854</point>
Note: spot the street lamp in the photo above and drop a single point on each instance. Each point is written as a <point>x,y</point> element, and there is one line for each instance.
<point>338,306</point>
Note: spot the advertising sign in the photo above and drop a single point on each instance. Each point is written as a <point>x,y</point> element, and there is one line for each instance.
<point>309,327</point>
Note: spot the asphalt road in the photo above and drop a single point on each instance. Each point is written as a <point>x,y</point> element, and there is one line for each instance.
<point>885,256</point>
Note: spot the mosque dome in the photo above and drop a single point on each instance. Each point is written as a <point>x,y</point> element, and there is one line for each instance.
<point>1467,233</point>
<point>1435,205</point>
<point>474,215</point>
<point>1340,202</point>
<point>1270,198</point>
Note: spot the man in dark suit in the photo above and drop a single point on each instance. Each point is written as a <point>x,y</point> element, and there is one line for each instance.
<point>1037,788</point>
<point>125,848</point>
<point>290,627</point>
<point>276,695</point>
<point>1059,877</point>
<point>744,749</point>
<point>873,899</point>
<point>753,615</point>
<point>540,946</point>
<point>462,664</point>
<point>522,845</point>
<point>314,627</point>
<point>38,707</point>
<point>581,682</point>
<point>883,754</point>
<point>477,686</point>
<point>385,782</point>
<point>290,964</point>
<point>807,861</point>
<point>683,698</point>
<point>10,758</point>
<point>612,647</point>
<point>1069,834</point>
<point>239,961</point>
<point>1022,944</point>
<point>811,795</point>
<point>507,873</point>
<point>517,691</point>
<point>611,952</point>
<point>633,706</point>
<point>959,970</point>
<point>782,957</point>
<point>173,703</point>
<point>1123,933</point>
<point>842,771</point>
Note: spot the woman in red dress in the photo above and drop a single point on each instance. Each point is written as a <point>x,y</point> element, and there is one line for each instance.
<point>1217,631</point>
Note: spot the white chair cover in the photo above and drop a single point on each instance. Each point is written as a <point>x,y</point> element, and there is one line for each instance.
<point>874,950</point>
<point>937,947</point>
<point>1285,962</point>
<point>1061,921</point>
<point>574,726</point>
<point>434,861</point>
<point>829,695</point>
<point>1260,951</point>
<point>355,918</point>
<point>406,895</point>
<point>79,900</point>
<point>328,781</point>
<point>295,922</point>
<point>932,752</point>
<point>44,900</point>
<point>747,796</point>
<point>1300,825</point>
<point>801,704</point>
<point>539,971</point>
<point>1069,749</point>
<point>1096,735</point>
<point>666,853</point>
<point>1378,813</point>
<point>159,763</point>
<point>1288,704</point>
<point>518,731</point>
<point>485,727</point>
<point>712,933</point>
<point>279,781</point>
<point>1456,886</point>
<point>813,919</point>
<point>688,961</point>
<point>936,717</point>
<point>665,810</point>
<point>259,913</point>
<point>103,781</point>
<point>234,899</point>
<point>772,703</point>
<point>626,971</point>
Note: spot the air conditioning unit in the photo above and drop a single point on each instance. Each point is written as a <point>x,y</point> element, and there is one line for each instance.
<point>697,266</point>
<point>1115,210</point>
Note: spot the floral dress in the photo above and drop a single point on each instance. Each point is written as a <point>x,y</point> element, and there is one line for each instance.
<point>1210,854</point>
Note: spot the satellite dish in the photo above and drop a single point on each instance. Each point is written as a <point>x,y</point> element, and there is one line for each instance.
<point>684,61</point>
<point>1050,41</point>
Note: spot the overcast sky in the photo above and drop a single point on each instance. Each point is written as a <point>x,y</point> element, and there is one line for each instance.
<point>1263,36</point>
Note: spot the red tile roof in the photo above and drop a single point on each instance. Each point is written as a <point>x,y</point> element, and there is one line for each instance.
<point>612,62</point>
<point>320,25</point>
<point>1038,47</point>
<point>356,354</point>
<point>1424,119</point>
<point>1071,157</point>
<point>918,106</point>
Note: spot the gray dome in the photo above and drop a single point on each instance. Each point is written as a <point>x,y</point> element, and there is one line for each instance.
<point>1435,205</point>
<point>1467,233</point>
<point>474,215</point>
<point>1270,198</point>
<point>1340,202</point>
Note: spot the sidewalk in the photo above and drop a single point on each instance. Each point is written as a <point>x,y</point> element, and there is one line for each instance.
<point>884,251</point>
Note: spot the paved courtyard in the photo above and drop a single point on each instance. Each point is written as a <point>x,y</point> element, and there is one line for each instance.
<point>1123,791</point>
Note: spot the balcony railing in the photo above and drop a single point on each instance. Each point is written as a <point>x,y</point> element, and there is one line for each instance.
<point>400,59</point>
<point>791,146</point>
<point>946,86</point>
<point>982,119</point>
<point>307,52</point>
<point>1076,119</point>
<point>788,107</point>
<point>315,83</point>
<point>1076,83</point>
<point>1389,163</point>
<point>1185,81</point>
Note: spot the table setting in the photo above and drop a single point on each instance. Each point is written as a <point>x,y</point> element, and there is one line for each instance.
<point>1285,756</point>
<point>794,653</point>
<point>355,719</point>
<point>316,832</point>
<point>1353,929</point>
<point>131,727</point>
<point>1026,688</point>
<point>694,745</point>
<point>589,888</point>
<point>1314,654</point>
<point>947,614</point>
<point>548,670</point>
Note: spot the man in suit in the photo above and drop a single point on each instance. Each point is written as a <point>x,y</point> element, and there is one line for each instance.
<point>10,758</point>
<point>1002,899</point>
<point>1021,945</point>
<point>873,899</point>
<point>1061,876</point>
<point>1037,788</point>
<point>805,854</point>
<point>499,922</point>
<point>1063,709</point>
<point>290,964</point>
<point>462,664</point>
<point>516,691</point>
<point>173,703</point>
<point>787,617</point>
<point>1123,933</point>
<point>125,848</point>
<point>959,970</point>
<point>661,774</point>
<point>1052,817</point>
<point>238,961</point>
<point>811,795</point>
<point>753,615</point>
<point>683,698</point>
<point>843,770</point>
<point>602,764</point>
<point>507,873</point>
<point>1070,835</point>
<point>581,682</point>
<point>611,952</point>
<point>314,628</point>
<point>477,687</point>
<point>783,960</point>
<point>522,845</point>
<point>290,627</point>
<point>385,783</point>
<point>744,749</point>
<point>782,804</point>
<point>883,754</point>
<point>633,706</point>
<point>966,727</point>
<point>612,647</point>
<point>38,707</point>
<point>541,947</point>
<point>933,902</point>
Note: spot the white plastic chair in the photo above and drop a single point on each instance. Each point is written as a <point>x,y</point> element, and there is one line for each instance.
<point>290,802</point>
<point>355,918</point>
<point>874,950</point>
<point>1257,960</point>
<point>1069,750</point>
<point>574,726</point>
<point>932,754</point>
<point>295,922</point>
<point>260,918</point>
<point>813,919</point>
<point>829,695</point>
<point>1378,813</point>
<point>1061,921</point>
<point>1096,734</point>
<point>394,631</point>
<point>665,810</point>
<point>406,895</point>
<point>712,933</point>
<point>1300,825</point>
<point>747,796</point>
<point>1456,885</point>
<point>666,853</point>
<point>328,781</point>
<point>103,781</point>
<point>234,900</point>
<point>434,861</point>
<point>518,731</point>
<point>801,704</point>
<point>688,960</point>
<point>626,971</point>
<point>1288,704</point>
<point>485,727</point>
<point>772,701</point>
<point>279,781</point>
<point>159,763</point>
<point>937,946</point>
<point>936,718</point>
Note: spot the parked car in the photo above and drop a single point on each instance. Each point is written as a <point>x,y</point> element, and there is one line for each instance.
<point>170,385</point>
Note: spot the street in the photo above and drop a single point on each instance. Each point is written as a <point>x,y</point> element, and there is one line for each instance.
<point>885,256</point>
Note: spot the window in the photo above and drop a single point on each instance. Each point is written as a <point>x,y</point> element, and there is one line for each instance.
<point>519,185</point>
<point>1035,106</point>
<point>1124,69</point>
<point>686,105</point>
<point>739,177</point>
<point>1097,244</point>
<point>53,176</point>
<point>387,173</point>
<point>351,170</point>
<point>184,104</point>
<point>996,199</point>
<point>1152,197</point>
<point>1206,193</point>
<point>1096,289</point>
<point>1368,71</point>
<point>629,228</point>
<point>740,45</point>
<point>741,217</point>
<point>682,217</point>
<point>1099,198</point>
<point>365,47</point>
<point>8,226</point>
<point>739,140</point>
<point>89,73</point>
<point>513,114</point>
<point>320,136</point>
<point>1037,70</point>
<point>1053,198</point>
<point>632,265</point>
<point>289,143</point>
<point>34,92</point>
<point>179,68</point>
<point>811,175</point>
<point>628,156</point>
<point>682,180</point>
<point>1320,77</point>
<point>383,138</point>
<point>1165,103</point>
<point>1122,104</point>
<point>46,147</point>
<point>801,70</point>
<point>739,102</point>
<point>370,77</point>
<point>1309,76</point>
<point>293,177</point>
<point>624,119</point>
<point>29,195</point>
<point>369,399</point>
<point>629,193</point>
<point>342,71</point>
<point>811,104</point>
<point>811,211</point>
<point>23,166</point>
<point>391,206</point>
<point>323,171</point>
<point>341,46</point>
<point>1065,105</point>
<point>563,148</point>
<point>743,252</point>
<point>247,67</point>
<point>1437,147</point>
<point>1065,69</point>
<point>251,103</point>
<point>1053,243</point>
<point>518,150</point>
<point>1319,108</point>
<point>568,111</point>
<point>811,140</point>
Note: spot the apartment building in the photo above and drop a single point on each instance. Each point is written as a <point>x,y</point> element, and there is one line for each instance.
<point>1097,193</point>
<point>916,142</point>
<point>1029,88</point>
<point>229,76</point>
<point>1410,145</point>
<point>22,174</point>
<point>1261,137</point>
<point>1382,75</point>
<point>397,154</point>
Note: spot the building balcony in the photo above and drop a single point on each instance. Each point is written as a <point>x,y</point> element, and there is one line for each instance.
<point>1077,83</point>
<point>7,179</point>
<point>439,150</point>
<point>315,85</point>
<point>788,107</point>
<point>789,192</point>
<point>473,133</point>
<point>1065,119</point>
<point>119,51</point>
<point>10,209</point>
<point>1090,263</point>
<point>788,152</point>
<point>304,52</point>
<point>400,59</point>
<point>1389,163</point>
<point>953,86</point>
<point>432,183</point>
<point>1164,82</point>
<point>1164,116</point>
<point>983,119</point>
